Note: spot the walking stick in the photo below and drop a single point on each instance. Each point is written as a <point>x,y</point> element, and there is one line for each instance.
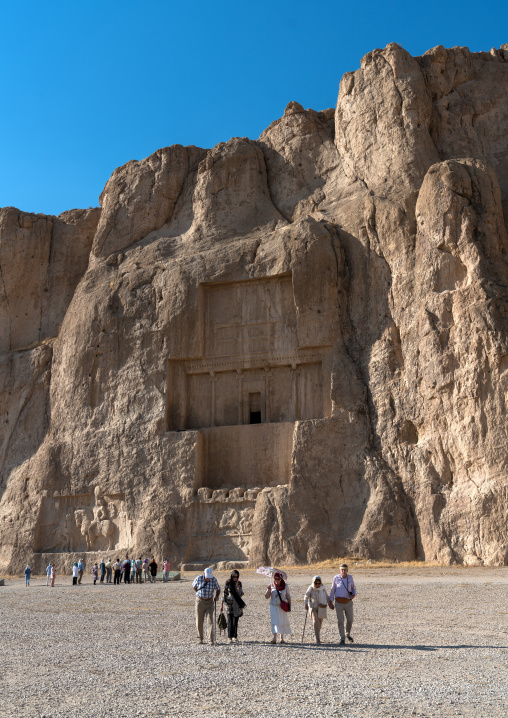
<point>306,615</point>
<point>215,622</point>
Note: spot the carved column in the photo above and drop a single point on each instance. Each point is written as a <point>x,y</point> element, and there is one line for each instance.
<point>213,379</point>
<point>294,388</point>
<point>239,377</point>
<point>268,388</point>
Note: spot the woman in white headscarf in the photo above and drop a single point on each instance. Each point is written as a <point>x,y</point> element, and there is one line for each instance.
<point>315,601</point>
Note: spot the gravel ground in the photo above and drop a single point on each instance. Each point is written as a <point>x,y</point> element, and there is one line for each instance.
<point>428,642</point>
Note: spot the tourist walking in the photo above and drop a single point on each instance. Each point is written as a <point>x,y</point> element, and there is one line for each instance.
<point>117,568</point>
<point>166,566</point>
<point>108,571</point>
<point>231,596</point>
<point>316,601</point>
<point>95,573</point>
<point>280,605</point>
<point>153,571</point>
<point>146,570</point>
<point>81,568</point>
<point>343,592</point>
<point>103,570</point>
<point>48,574</point>
<point>207,590</point>
<point>53,575</point>
<point>28,573</point>
<point>75,572</point>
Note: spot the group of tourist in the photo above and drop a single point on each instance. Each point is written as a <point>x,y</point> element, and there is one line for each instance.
<point>316,601</point>
<point>129,571</point>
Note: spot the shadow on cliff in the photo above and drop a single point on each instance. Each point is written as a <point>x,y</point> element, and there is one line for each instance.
<point>27,411</point>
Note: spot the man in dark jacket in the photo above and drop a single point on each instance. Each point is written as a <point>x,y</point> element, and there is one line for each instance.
<point>153,571</point>
<point>126,570</point>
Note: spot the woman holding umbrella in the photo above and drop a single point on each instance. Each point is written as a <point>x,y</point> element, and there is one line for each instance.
<point>280,605</point>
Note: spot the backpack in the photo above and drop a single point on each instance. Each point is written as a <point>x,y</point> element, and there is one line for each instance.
<point>222,623</point>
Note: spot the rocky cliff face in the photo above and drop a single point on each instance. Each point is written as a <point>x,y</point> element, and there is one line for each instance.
<point>279,350</point>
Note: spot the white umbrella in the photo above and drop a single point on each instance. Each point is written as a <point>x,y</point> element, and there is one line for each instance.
<point>270,570</point>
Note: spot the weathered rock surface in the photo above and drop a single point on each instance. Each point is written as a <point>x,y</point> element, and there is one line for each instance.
<point>278,350</point>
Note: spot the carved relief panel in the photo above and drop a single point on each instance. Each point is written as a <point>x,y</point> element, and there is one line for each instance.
<point>249,317</point>
<point>252,370</point>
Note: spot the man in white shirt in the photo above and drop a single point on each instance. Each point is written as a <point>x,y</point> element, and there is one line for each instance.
<point>343,591</point>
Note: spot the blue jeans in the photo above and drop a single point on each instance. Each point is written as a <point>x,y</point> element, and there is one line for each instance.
<point>27,580</point>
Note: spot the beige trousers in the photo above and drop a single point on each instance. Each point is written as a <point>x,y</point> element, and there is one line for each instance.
<point>204,608</point>
<point>344,609</point>
<point>317,623</point>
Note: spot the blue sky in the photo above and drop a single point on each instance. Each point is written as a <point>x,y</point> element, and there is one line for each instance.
<point>89,85</point>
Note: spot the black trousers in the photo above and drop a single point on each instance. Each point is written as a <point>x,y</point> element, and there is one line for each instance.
<point>232,625</point>
<point>118,576</point>
<point>74,580</point>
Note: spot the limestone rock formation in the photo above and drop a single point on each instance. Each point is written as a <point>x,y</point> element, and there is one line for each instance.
<point>279,350</point>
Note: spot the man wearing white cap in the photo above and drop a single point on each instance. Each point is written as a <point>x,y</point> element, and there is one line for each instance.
<point>205,586</point>
<point>343,591</point>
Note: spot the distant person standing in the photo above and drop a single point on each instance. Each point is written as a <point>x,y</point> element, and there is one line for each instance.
<point>108,571</point>
<point>102,570</point>
<point>153,570</point>
<point>146,570</point>
<point>53,575</point>
<point>117,568</point>
<point>48,574</point>
<point>81,568</point>
<point>95,573</point>
<point>207,589</point>
<point>75,572</point>
<point>127,570</point>
<point>28,573</point>
<point>139,570</point>
<point>166,568</point>
<point>343,592</point>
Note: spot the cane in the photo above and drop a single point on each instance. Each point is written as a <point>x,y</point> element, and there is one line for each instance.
<point>303,632</point>
<point>215,622</point>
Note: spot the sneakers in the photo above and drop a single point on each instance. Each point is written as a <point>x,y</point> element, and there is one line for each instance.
<point>342,642</point>
<point>350,638</point>
<point>200,641</point>
<point>230,640</point>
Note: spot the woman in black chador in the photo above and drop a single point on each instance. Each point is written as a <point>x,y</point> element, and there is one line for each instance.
<point>231,596</point>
